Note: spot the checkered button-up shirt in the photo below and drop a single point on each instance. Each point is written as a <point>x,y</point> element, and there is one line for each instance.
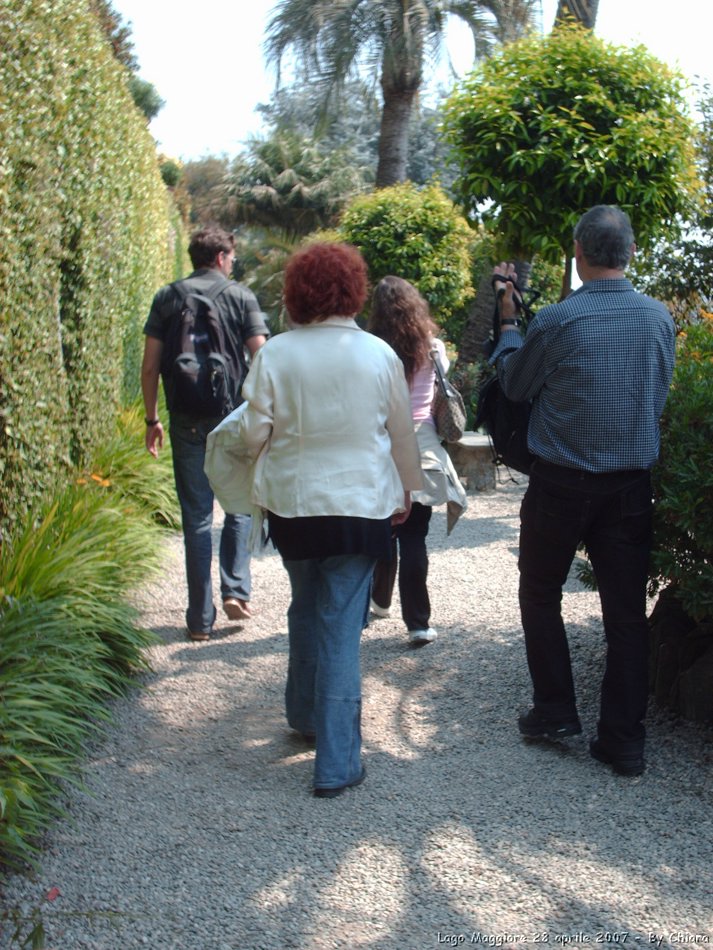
<point>598,367</point>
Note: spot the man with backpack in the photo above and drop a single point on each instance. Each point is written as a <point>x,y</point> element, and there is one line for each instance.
<point>196,335</point>
<point>597,367</point>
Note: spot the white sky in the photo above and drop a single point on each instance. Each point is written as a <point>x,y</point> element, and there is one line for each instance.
<point>207,63</point>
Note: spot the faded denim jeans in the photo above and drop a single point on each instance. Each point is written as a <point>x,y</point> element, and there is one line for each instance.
<point>329,609</point>
<point>188,441</point>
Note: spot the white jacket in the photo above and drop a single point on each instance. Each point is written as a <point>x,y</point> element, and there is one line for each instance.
<point>326,428</point>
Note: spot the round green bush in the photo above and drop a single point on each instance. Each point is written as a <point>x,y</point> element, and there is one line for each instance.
<point>417,234</point>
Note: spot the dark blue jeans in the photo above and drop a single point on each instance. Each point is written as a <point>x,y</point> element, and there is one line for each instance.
<point>611,514</point>
<point>409,544</point>
<point>188,441</point>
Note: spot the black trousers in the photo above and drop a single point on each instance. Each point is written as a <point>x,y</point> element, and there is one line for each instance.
<point>611,514</point>
<point>409,558</point>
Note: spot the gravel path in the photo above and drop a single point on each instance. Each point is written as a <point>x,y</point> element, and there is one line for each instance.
<point>197,830</point>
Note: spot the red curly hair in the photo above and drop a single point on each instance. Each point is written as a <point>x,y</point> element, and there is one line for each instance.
<point>325,280</point>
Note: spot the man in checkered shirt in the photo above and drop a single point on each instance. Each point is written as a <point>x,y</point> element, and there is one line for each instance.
<point>597,367</point>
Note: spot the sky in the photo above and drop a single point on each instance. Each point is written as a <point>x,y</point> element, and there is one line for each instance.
<point>211,74</point>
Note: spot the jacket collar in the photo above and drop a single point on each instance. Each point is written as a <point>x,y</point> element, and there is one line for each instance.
<point>345,322</point>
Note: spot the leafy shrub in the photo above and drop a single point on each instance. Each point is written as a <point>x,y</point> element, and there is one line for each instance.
<point>683,478</point>
<point>417,234</point>
<point>549,126</point>
<point>87,232</point>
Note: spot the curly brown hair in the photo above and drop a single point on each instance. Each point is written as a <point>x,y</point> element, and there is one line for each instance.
<point>400,316</point>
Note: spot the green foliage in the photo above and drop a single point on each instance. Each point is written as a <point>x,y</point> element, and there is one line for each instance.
<point>683,478</point>
<point>86,236</point>
<point>336,42</point>
<point>116,32</point>
<point>353,128</point>
<point>679,269</point>
<point>170,172</point>
<point>551,126</point>
<point>146,97</point>
<point>122,465</point>
<point>261,254</point>
<point>68,636</point>
<point>206,182</point>
<point>679,272</point>
<point>286,182</point>
<point>417,234</point>
<point>704,144</point>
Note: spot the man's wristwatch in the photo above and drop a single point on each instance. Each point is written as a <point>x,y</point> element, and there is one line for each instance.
<point>508,322</point>
<point>152,422</point>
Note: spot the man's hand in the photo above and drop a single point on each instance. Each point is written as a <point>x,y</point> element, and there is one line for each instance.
<point>508,299</point>
<point>154,439</point>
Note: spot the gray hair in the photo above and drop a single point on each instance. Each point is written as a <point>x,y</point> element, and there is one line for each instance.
<point>606,237</point>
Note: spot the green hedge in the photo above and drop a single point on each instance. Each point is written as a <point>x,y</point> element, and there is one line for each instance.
<point>683,478</point>
<point>87,234</point>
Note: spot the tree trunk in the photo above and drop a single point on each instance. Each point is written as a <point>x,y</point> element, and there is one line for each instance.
<point>478,324</point>
<point>584,11</point>
<point>393,137</point>
<point>566,278</point>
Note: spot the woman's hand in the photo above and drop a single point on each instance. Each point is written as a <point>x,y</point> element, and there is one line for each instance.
<point>402,516</point>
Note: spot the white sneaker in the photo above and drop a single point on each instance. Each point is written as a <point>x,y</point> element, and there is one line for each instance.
<point>379,611</point>
<point>422,636</point>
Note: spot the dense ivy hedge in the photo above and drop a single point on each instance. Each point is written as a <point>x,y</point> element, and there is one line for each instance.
<point>87,233</point>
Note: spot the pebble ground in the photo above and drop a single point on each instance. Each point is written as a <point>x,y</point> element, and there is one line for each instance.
<point>196,829</point>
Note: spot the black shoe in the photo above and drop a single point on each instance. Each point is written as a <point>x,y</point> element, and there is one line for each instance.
<point>623,763</point>
<point>534,726</point>
<point>336,792</point>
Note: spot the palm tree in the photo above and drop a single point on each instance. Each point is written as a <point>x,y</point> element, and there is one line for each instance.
<point>584,11</point>
<point>393,39</point>
<point>285,182</point>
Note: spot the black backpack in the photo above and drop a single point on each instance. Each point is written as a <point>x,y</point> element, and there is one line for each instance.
<point>506,424</point>
<point>505,421</point>
<point>201,365</point>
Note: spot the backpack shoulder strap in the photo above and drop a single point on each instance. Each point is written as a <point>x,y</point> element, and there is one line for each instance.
<point>179,286</point>
<point>214,292</point>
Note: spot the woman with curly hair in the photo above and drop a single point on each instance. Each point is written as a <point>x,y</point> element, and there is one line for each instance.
<point>333,457</point>
<point>400,316</point>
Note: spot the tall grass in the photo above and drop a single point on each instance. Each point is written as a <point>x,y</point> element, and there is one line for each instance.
<point>123,465</point>
<point>69,638</point>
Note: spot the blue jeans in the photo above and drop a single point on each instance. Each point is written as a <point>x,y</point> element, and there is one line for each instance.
<point>611,514</point>
<point>328,611</point>
<point>188,441</point>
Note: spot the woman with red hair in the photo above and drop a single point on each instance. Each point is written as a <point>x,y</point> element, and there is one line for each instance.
<point>328,427</point>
